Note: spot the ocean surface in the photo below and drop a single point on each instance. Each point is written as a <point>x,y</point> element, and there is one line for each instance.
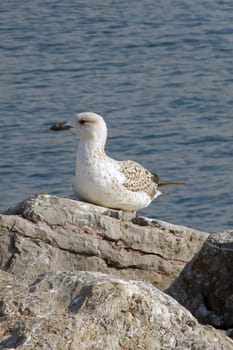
<point>159,72</point>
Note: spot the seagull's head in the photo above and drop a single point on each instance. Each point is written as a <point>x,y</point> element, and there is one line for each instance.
<point>85,125</point>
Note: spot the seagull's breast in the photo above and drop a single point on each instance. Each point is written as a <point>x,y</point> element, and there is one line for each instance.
<point>96,177</point>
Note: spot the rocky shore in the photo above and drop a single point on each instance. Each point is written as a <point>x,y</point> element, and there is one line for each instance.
<point>77,276</point>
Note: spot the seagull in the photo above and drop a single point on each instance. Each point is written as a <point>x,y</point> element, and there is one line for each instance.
<point>123,185</point>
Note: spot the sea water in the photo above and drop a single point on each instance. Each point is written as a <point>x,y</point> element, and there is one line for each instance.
<point>159,72</point>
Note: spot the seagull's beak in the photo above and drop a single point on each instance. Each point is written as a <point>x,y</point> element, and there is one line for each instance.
<point>61,126</point>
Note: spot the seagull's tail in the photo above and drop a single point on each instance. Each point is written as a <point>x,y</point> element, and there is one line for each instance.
<point>161,184</point>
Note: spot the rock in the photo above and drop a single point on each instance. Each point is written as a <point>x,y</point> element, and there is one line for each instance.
<point>92,311</point>
<point>48,233</point>
<point>205,286</point>
<point>43,308</point>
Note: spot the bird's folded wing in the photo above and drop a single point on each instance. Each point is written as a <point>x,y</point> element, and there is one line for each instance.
<point>139,179</point>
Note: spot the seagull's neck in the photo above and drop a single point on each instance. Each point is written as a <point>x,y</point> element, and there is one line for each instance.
<point>89,147</point>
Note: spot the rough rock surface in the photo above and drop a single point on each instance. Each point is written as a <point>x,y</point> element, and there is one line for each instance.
<point>205,286</point>
<point>49,233</point>
<point>87,310</point>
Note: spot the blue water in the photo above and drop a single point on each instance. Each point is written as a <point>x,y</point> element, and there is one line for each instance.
<point>160,72</point>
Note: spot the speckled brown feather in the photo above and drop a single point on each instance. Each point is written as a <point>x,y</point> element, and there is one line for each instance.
<point>139,179</point>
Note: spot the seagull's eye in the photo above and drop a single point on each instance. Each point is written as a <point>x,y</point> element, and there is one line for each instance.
<point>82,121</point>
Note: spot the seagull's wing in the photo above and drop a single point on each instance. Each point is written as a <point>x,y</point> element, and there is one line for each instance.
<point>139,179</point>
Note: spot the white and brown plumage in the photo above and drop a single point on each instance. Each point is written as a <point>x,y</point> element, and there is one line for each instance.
<point>102,180</point>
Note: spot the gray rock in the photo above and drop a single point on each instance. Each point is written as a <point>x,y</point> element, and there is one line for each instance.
<point>48,233</point>
<point>92,311</point>
<point>205,286</point>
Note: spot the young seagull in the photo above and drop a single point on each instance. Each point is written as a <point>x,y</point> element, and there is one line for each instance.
<point>104,181</point>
